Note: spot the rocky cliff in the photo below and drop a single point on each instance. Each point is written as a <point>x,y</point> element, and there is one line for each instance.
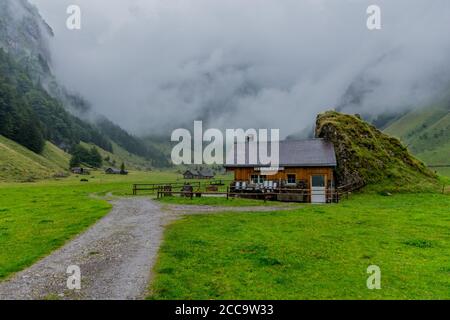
<point>25,35</point>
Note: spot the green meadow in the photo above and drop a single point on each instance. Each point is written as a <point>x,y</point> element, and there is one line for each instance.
<point>313,252</point>
<point>37,218</point>
<point>219,201</point>
<point>307,252</point>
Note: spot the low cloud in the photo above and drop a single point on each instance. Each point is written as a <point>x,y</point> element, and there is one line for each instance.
<point>155,65</point>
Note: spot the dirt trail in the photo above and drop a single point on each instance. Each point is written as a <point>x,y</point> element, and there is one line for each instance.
<point>115,255</point>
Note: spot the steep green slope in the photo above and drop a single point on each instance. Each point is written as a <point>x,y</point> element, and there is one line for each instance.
<point>17,163</point>
<point>120,155</point>
<point>124,141</point>
<point>366,156</point>
<point>56,155</point>
<point>426,132</point>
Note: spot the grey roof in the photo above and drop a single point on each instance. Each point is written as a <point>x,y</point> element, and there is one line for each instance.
<point>298,153</point>
<point>205,172</point>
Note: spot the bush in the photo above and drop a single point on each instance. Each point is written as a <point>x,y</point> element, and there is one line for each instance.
<point>90,157</point>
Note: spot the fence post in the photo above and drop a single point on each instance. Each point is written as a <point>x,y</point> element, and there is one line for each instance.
<point>228,189</point>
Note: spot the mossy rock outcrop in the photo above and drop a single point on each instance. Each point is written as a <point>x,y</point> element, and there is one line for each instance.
<point>367,156</point>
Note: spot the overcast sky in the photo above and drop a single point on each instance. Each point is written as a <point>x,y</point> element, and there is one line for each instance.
<point>150,65</point>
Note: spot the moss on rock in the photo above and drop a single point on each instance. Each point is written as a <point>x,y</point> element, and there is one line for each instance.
<point>365,155</point>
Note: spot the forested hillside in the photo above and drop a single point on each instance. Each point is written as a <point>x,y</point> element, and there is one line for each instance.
<point>29,115</point>
<point>35,107</point>
<point>130,143</point>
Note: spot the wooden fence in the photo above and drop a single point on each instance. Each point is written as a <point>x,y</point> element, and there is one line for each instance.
<point>197,185</point>
<point>274,194</point>
<point>200,189</point>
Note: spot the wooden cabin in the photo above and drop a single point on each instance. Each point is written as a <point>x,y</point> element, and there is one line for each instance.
<point>198,174</point>
<point>303,164</point>
<point>79,170</point>
<point>189,174</point>
<point>111,170</point>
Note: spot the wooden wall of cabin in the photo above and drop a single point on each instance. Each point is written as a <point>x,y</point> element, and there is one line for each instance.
<point>301,173</point>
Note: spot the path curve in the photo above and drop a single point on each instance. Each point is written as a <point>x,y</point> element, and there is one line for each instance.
<point>115,255</point>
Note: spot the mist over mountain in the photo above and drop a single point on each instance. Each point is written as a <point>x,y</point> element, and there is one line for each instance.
<point>156,65</point>
<point>35,106</point>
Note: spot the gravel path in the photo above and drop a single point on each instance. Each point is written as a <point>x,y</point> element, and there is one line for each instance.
<point>115,255</point>
<point>194,209</point>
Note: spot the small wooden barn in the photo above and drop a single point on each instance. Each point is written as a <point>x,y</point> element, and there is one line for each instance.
<point>303,164</point>
<point>111,170</point>
<point>79,170</point>
<point>190,174</point>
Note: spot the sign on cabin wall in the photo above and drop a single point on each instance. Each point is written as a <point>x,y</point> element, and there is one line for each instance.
<point>269,170</point>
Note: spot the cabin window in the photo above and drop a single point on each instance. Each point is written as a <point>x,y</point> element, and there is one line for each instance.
<point>257,178</point>
<point>318,181</point>
<point>291,178</point>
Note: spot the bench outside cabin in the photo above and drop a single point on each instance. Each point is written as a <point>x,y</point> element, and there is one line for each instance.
<point>305,173</point>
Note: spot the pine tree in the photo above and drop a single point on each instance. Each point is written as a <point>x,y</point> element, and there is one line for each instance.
<point>95,158</point>
<point>75,161</point>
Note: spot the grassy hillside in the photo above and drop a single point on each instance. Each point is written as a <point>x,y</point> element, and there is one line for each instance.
<point>426,132</point>
<point>17,163</point>
<point>120,155</point>
<point>56,155</point>
<point>365,155</point>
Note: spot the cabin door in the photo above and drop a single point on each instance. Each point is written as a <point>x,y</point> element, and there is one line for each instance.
<point>318,189</point>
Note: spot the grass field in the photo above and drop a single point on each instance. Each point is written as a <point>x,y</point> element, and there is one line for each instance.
<point>308,252</point>
<point>316,252</point>
<point>218,201</point>
<point>35,221</point>
<point>36,218</point>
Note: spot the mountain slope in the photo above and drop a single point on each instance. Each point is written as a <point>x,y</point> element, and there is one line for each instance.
<point>119,155</point>
<point>17,163</point>
<point>29,114</point>
<point>366,156</point>
<point>131,144</point>
<point>57,156</point>
<point>35,107</point>
<point>426,132</point>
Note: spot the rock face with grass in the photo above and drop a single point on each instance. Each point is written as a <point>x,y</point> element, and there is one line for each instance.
<point>366,156</point>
